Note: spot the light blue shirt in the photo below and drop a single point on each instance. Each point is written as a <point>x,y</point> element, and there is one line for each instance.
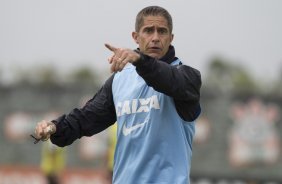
<point>154,145</point>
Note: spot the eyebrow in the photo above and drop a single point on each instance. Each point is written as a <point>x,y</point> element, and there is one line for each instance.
<point>152,27</point>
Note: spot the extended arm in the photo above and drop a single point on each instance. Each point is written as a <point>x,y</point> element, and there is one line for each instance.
<point>95,116</point>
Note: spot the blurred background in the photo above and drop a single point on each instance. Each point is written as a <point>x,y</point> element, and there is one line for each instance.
<point>52,59</point>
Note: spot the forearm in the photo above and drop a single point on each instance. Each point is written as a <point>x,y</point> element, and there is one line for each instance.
<point>79,123</point>
<point>98,114</point>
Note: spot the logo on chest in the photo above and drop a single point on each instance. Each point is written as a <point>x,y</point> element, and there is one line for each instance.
<point>137,105</point>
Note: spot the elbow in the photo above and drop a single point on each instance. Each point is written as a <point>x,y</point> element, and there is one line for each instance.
<point>191,94</point>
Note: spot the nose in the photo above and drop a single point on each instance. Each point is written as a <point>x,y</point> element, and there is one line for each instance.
<point>155,37</point>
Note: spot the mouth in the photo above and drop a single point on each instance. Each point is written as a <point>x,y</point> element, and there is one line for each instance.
<point>155,49</point>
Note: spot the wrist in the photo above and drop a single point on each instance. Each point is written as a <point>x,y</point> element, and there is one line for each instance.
<point>136,57</point>
<point>51,129</point>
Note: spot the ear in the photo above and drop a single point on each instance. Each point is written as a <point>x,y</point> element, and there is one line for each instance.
<point>135,37</point>
<point>172,36</point>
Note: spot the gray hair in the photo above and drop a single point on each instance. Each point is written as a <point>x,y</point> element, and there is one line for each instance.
<point>153,11</point>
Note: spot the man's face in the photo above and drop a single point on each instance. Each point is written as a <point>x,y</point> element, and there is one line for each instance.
<point>154,36</point>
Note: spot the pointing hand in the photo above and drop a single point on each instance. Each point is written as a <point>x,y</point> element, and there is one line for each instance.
<point>121,57</point>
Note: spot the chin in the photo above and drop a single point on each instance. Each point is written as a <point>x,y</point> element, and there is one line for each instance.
<point>157,56</point>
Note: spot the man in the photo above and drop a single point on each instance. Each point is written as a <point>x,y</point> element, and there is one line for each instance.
<point>153,98</point>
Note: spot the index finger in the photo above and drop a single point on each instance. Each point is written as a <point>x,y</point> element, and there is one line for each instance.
<point>110,47</point>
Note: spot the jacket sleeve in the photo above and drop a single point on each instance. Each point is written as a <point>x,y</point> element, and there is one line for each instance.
<point>181,82</point>
<point>95,116</point>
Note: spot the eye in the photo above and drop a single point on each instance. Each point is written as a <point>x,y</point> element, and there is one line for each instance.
<point>149,30</point>
<point>162,31</point>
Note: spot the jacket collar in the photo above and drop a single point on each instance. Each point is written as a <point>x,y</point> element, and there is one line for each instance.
<point>169,57</point>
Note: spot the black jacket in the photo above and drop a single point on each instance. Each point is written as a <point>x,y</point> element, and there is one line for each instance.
<point>180,82</point>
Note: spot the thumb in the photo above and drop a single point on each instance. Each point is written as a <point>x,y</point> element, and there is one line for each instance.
<point>110,47</point>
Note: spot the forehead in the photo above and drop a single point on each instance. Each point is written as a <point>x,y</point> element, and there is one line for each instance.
<point>158,21</point>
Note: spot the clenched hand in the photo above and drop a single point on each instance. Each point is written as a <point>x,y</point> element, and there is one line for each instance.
<point>44,130</point>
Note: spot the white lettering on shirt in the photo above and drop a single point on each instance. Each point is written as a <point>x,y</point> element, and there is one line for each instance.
<point>137,105</point>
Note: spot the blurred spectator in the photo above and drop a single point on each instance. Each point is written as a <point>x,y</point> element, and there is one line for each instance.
<point>111,151</point>
<point>52,162</point>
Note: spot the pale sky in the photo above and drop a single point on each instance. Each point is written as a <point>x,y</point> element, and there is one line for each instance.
<point>71,33</point>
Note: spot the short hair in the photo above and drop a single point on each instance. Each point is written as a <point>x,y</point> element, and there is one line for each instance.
<point>153,11</point>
